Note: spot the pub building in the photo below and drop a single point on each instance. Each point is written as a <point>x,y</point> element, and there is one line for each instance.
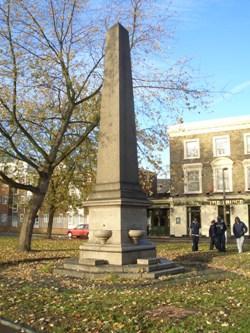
<point>209,176</point>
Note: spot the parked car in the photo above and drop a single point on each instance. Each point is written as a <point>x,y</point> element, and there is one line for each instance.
<point>81,230</point>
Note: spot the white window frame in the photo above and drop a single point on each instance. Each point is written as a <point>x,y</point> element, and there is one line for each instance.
<point>186,157</point>
<point>192,167</point>
<point>228,150</point>
<point>219,164</point>
<point>246,152</point>
<point>4,199</point>
<point>246,165</point>
<point>3,218</point>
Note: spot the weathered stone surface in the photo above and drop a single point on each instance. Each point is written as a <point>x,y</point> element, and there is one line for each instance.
<point>117,166</point>
<point>92,261</point>
<point>148,261</point>
<point>117,254</point>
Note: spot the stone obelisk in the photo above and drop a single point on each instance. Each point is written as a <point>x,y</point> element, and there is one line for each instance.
<point>117,206</point>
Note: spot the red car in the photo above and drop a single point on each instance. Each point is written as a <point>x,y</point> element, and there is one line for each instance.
<point>81,230</point>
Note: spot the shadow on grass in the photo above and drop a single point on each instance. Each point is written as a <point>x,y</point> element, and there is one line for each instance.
<point>29,260</point>
<point>201,260</point>
<point>54,250</point>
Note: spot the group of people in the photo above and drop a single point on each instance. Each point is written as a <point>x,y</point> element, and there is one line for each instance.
<point>217,234</point>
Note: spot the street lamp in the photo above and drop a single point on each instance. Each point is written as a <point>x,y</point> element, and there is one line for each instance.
<point>224,194</point>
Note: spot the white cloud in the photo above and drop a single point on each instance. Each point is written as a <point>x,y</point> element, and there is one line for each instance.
<point>237,89</point>
<point>194,12</point>
<point>240,87</point>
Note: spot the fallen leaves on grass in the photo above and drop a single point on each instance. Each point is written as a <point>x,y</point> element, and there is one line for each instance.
<point>169,312</point>
<point>42,249</point>
<point>32,294</point>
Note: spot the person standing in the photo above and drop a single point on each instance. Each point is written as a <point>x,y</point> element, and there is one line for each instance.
<point>220,229</point>
<point>239,230</point>
<point>195,233</point>
<point>212,235</point>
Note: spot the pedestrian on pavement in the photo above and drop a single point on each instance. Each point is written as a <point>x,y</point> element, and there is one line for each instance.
<point>195,233</point>
<point>239,230</point>
<point>212,235</point>
<point>220,229</point>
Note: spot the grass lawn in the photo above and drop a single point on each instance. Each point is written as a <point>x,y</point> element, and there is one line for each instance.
<point>212,296</point>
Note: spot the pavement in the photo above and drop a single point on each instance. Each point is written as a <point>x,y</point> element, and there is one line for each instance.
<point>156,239</point>
<point>7,326</point>
<point>203,239</point>
<point>6,329</point>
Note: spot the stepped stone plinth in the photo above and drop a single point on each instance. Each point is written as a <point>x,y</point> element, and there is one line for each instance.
<point>152,268</point>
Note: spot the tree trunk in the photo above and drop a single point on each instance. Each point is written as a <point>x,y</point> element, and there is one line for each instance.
<point>35,204</point>
<point>52,211</point>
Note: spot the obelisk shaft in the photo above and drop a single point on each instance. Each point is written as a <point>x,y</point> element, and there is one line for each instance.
<point>117,152</point>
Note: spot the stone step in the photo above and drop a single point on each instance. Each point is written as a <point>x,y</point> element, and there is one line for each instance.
<point>80,274</point>
<point>74,264</point>
<point>115,269</point>
<point>169,271</point>
<point>92,269</point>
<point>148,261</point>
<point>160,266</point>
<point>127,275</point>
<point>135,268</point>
<point>92,262</point>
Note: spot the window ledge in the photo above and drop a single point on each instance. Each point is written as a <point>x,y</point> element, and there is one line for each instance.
<point>221,192</point>
<point>191,158</point>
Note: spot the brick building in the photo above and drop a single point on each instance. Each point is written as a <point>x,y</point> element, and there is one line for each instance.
<point>210,172</point>
<point>13,208</point>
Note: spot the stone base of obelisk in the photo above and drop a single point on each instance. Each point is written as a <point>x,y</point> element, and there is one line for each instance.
<point>151,268</point>
<point>117,218</point>
<point>117,254</point>
<point>132,261</point>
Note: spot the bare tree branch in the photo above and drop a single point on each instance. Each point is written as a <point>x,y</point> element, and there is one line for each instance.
<point>12,183</point>
<point>76,144</point>
<point>85,99</point>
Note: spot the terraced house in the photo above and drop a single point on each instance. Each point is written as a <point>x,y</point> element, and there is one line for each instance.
<point>210,173</point>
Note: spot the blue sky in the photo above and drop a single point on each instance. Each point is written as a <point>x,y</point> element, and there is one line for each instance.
<point>215,35</point>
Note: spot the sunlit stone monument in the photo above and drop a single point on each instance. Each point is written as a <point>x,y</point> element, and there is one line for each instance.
<point>117,206</point>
